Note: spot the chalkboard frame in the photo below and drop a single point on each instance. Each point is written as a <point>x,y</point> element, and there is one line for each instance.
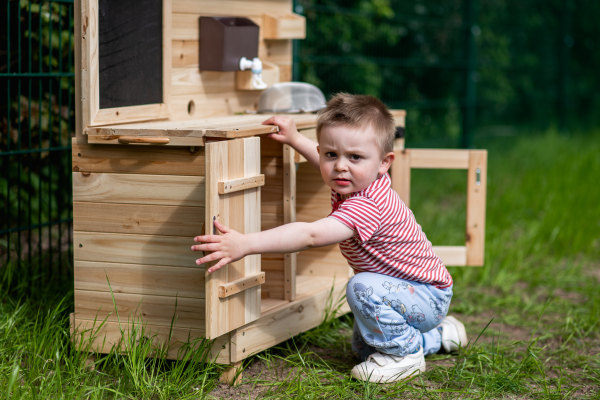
<point>92,114</point>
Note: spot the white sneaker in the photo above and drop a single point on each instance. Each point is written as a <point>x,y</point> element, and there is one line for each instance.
<point>454,334</point>
<point>385,368</point>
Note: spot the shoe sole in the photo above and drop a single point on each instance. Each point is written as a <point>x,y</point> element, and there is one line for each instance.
<point>391,379</point>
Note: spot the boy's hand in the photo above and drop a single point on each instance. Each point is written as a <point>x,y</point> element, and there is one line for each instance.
<point>287,134</point>
<point>226,248</point>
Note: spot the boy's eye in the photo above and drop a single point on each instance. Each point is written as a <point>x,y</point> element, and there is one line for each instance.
<point>354,157</point>
<point>330,154</point>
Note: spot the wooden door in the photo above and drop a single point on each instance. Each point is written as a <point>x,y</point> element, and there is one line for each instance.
<point>233,183</point>
<point>475,162</point>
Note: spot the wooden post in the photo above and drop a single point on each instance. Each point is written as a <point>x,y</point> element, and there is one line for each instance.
<point>401,172</point>
<point>289,215</point>
<point>476,192</point>
<point>232,374</point>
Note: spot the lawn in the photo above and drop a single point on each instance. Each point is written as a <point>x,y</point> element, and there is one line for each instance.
<point>532,312</point>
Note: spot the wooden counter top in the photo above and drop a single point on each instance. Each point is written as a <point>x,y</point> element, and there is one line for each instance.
<point>191,133</point>
<point>194,132</point>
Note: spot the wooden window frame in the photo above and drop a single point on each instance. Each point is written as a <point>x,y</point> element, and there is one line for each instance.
<point>91,113</point>
<point>475,162</point>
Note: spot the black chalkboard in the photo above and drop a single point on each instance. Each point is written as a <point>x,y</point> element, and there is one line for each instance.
<point>130,52</point>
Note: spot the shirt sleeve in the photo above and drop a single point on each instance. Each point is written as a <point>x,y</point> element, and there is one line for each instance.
<point>359,214</point>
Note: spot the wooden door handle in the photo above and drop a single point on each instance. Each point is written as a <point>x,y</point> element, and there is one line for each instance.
<point>247,282</point>
<point>143,139</point>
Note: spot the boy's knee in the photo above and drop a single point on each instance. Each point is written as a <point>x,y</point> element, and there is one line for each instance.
<point>360,286</point>
<point>356,278</point>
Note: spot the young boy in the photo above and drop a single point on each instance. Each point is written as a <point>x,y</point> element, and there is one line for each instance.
<point>401,290</point>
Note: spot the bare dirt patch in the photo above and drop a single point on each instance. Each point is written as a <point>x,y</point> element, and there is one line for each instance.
<point>255,380</point>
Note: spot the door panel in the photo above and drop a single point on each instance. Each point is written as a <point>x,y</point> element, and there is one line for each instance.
<point>233,292</point>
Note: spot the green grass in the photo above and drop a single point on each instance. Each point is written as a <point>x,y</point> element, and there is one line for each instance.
<point>532,312</point>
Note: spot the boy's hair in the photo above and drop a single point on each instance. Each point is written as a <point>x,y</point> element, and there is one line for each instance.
<point>355,110</point>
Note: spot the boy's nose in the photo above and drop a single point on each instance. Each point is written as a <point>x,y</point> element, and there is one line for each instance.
<point>340,165</point>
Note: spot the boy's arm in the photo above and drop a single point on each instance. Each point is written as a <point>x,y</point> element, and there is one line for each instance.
<point>288,238</point>
<point>288,134</point>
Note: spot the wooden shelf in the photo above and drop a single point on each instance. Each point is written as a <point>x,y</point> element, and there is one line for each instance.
<point>287,26</point>
<point>190,133</point>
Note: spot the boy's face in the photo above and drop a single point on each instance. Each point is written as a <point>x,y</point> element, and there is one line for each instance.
<point>350,158</point>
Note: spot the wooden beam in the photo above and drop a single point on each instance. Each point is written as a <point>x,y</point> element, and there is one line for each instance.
<point>476,204</point>
<point>401,175</point>
<point>232,375</point>
<point>439,159</point>
<point>236,185</point>
<point>289,215</point>
<point>452,255</point>
<point>247,282</point>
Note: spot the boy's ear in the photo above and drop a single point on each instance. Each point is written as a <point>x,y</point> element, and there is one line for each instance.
<point>386,162</point>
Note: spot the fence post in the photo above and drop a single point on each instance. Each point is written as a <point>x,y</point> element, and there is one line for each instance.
<point>471,30</point>
<point>565,42</point>
<point>298,9</point>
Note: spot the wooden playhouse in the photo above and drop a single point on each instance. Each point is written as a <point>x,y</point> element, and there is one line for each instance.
<point>167,141</point>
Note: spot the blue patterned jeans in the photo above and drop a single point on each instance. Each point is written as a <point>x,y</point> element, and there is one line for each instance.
<point>395,316</point>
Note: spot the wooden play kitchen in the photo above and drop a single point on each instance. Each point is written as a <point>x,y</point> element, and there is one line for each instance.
<point>167,141</point>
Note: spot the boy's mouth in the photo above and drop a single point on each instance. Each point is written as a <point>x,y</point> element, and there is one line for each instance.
<point>342,182</point>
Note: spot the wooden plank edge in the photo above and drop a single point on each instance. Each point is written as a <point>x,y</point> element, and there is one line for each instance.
<point>242,131</point>
<point>102,336</point>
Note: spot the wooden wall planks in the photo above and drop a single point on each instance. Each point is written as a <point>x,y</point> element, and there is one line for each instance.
<point>107,335</point>
<point>156,310</point>
<point>158,280</point>
<point>142,219</point>
<point>138,159</point>
<point>134,249</point>
<point>139,189</point>
<point>313,199</point>
<point>195,94</point>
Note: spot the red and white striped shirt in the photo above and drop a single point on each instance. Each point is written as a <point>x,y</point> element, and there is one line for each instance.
<point>388,239</point>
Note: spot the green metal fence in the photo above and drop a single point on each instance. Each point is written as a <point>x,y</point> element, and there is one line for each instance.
<point>37,120</point>
<point>502,61</point>
<point>413,55</point>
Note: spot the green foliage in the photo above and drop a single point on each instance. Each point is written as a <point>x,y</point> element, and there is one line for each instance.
<point>536,63</point>
<point>39,360</point>
<point>532,312</point>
